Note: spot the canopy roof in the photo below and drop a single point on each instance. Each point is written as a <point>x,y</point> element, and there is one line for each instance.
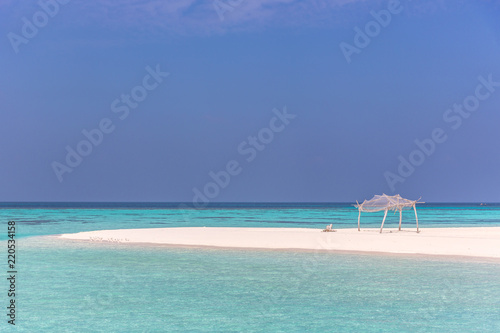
<point>385,202</point>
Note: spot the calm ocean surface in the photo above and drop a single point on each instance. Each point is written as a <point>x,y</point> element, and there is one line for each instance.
<point>66,286</point>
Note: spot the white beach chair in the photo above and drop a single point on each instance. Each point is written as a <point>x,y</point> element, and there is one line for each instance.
<point>328,228</point>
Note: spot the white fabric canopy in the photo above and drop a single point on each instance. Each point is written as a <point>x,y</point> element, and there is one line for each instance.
<point>387,202</point>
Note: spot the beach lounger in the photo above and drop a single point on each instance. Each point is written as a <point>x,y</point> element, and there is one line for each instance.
<point>328,229</point>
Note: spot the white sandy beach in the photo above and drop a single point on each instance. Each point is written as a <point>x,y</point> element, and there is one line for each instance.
<point>474,242</point>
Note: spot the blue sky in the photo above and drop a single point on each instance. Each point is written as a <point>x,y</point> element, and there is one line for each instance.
<point>354,120</point>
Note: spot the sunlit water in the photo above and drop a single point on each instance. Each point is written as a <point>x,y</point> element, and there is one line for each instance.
<point>66,286</point>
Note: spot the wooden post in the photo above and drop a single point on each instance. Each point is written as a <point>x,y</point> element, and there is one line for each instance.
<point>382,226</point>
<point>416,217</point>
<point>359,216</point>
<point>400,217</point>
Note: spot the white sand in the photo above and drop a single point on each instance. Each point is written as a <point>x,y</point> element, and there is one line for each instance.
<point>475,242</point>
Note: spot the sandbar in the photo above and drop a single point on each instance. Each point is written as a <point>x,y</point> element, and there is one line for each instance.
<point>466,241</point>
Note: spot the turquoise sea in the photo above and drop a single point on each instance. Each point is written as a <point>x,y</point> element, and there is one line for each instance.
<point>66,286</point>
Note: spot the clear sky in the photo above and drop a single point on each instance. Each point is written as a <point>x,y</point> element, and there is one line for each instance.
<point>137,100</point>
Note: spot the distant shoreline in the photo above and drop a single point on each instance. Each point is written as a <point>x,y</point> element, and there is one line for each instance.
<point>479,242</point>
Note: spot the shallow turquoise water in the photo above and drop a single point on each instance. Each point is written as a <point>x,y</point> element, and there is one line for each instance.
<point>77,287</point>
<point>66,286</point>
